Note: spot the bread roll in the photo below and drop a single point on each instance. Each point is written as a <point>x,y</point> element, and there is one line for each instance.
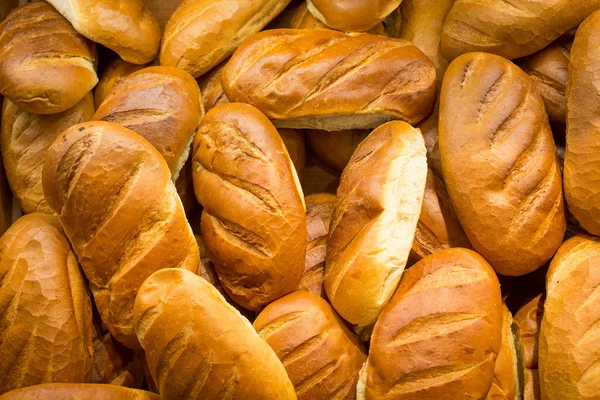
<point>6,6</point>
<point>199,347</point>
<point>294,142</point>
<point>319,207</point>
<point>162,104</point>
<point>303,19</point>
<point>113,74</point>
<point>569,347</point>
<point>46,67</point>
<point>335,148</point>
<point>202,33</point>
<point>439,335</point>
<point>323,79</point>
<point>128,28</point>
<point>582,189</point>
<point>73,391</point>
<point>114,197</point>
<point>372,228</point>
<point>254,218</point>
<point>45,309</point>
<point>499,163</point>
<point>510,29</point>
<point>352,15</point>
<point>25,139</point>
<point>162,10</point>
<point>211,88</point>
<point>320,354</point>
<point>528,320</point>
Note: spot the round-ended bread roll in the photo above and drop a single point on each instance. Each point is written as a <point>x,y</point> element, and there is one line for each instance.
<point>127,27</point>
<point>113,194</point>
<point>202,33</point>
<point>303,19</point>
<point>46,67</point>
<point>499,163</point>
<point>510,29</point>
<point>254,217</point>
<point>582,188</point>
<point>45,309</point>
<point>321,355</point>
<point>373,225</point>
<point>163,105</point>
<point>528,320</point>
<point>335,148</point>
<point>352,15</point>
<point>199,347</point>
<point>112,75</point>
<point>569,347</point>
<point>323,79</point>
<point>73,391</point>
<point>440,334</point>
<point>25,139</point>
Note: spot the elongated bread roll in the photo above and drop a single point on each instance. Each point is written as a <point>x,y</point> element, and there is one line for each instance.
<point>254,221</point>
<point>499,163</point>
<point>373,225</point>
<point>528,320</point>
<point>112,75</point>
<point>46,67</point>
<point>321,355</point>
<point>72,391</point>
<point>439,336</point>
<point>323,79</point>
<point>569,348</point>
<point>582,160</point>
<point>199,347</point>
<point>114,197</point>
<point>335,148</point>
<point>303,19</point>
<point>127,27</point>
<point>510,29</point>
<point>45,309</point>
<point>202,33</point>
<point>25,139</point>
<point>352,15</point>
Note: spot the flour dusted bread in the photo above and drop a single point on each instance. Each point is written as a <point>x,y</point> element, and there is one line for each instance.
<point>352,15</point>
<point>374,221</point>
<point>46,67</point>
<point>199,347</point>
<point>499,163</point>
<point>323,79</point>
<point>72,391</point>
<point>45,309</point>
<point>113,194</point>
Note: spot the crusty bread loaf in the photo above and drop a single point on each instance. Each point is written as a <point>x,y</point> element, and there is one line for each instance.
<point>112,75</point>
<point>127,27</point>
<point>499,163</point>
<point>162,10</point>
<point>163,105</point>
<point>439,335</point>
<point>6,6</point>
<point>582,188</point>
<point>510,29</point>
<point>46,67</point>
<point>73,391</point>
<point>254,218</point>
<point>569,347</point>
<point>199,347</point>
<point>45,309</point>
<point>352,15</point>
<point>25,139</point>
<point>372,228</point>
<point>319,207</point>
<point>212,89</point>
<point>114,197</point>
<point>321,355</point>
<point>202,33</point>
<point>294,142</point>
<point>303,19</point>
<point>335,148</point>
<point>323,79</point>
<point>528,320</point>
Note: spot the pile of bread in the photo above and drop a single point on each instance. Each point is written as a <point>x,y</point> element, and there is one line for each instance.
<point>316,199</point>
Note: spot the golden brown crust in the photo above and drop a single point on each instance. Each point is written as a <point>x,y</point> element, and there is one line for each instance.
<point>335,148</point>
<point>582,160</point>
<point>199,347</point>
<point>45,308</point>
<point>202,33</point>
<point>46,67</point>
<point>499,163</point>
<point>303,19</point>
<point>254,221</point>
<point>372,227</point>
<point>72,391</point>
<point>531,390</point>
<point>321,355</point>
<point>128,28</point>
<point>114,197</point>
<point>316,79</point>
<point>528,319</point>
<point>25,139</point>
<point>442,349</point>
<point>352,15</point>
<point>569,344</point>
<point>113,74</point>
